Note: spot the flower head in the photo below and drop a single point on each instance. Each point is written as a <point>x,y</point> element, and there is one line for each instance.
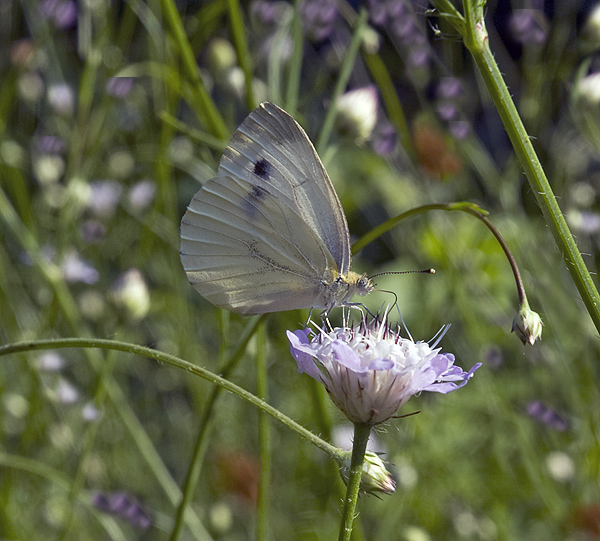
<point>370,371</point>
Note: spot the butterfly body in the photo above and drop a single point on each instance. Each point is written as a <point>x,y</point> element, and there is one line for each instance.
<point>268,233</point>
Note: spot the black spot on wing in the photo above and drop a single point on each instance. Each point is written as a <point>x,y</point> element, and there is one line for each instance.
<point>262,169</point>
<point>254,199</point>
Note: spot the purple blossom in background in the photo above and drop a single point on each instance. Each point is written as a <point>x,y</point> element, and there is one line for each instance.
<point>66,393</point>
<point>93,231</point>
<point>268,13</point>
<point>547,416</point>
<point>50,144</point>
<point>142,194</point>
<point>62,12</point>
<point>50,362</point>
<point>384,139</point>
<point>119,87</point>
<point>319,17</point>
<point>528,26</point>
<point>460,128</point>
<point>61,99</point>
<point>370,371</point>
<point>449,88</point>
<point>123,505</point>
<point>76,269</point>
<point>104,197</point>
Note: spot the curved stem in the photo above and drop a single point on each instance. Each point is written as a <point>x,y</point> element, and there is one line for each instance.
<point>336,454</point>
<point>475,36</point>
<point>469,208</point>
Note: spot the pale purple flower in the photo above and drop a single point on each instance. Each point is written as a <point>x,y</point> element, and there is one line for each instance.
<point>62,12</point>
<point>104,197</point>
<point>50,144</point>
<point>123,505</point>
<point>460,128</point>
<point>370,371</point>
<point>448,88</point>
<point>50,362</point>
<point>547,416</point>
<point>75,269</point>
<point>384,139</point>
<point>90,412</point>
<point>65,392</point>
<point>319,17</point>
<point>119,87</point>
<point>141,194</point>
<point>528,26</point>
<point>61,99</point>
<point>93,231</point>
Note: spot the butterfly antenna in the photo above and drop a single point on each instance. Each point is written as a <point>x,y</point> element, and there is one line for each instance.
<point>424,271</point>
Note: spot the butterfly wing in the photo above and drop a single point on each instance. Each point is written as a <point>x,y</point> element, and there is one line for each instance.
<point>265,233</point>
<point>272,151</point>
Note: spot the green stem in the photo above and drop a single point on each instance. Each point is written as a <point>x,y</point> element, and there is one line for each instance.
<point>241,46</point>
<point>476,40</point>
<point>376,232</point>
<point>361,437</point>
<point>264,437</point>
<point>469,208</point>
<point>203,100</point>
<point>98,343</point>
<point>206,421</point>
<point>343,78</point>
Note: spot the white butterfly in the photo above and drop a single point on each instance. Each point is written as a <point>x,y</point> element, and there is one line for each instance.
<point>268,233</point>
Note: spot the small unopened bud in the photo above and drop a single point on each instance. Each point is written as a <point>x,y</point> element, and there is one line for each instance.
<point>591,29</point>
<point>131,294</point>
<point>527,325</point>
<point>357,113</point>
<point>375,477</point>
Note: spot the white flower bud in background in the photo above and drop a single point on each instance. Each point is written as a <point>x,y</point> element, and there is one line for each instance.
<point>591,29</point>
<point>50,362</point>
<point>104,197</point>
<point>220,57</point>
<point>31,87</point>
<point>130,293</point>
<point>357,113</point>
<point>141,195</point>
<point>587,90</point>
<point>560,465</point>
<point>48,168</point>
<point>61,99</point>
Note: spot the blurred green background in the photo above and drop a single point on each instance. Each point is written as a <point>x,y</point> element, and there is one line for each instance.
<point>106,132</point>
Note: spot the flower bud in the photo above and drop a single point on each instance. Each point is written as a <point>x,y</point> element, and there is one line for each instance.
<point>527,325</point>
<point>357,113</point>
<point>130,293</point>
<point>375,477</point>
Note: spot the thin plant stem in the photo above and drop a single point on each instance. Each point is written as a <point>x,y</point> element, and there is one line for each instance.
<point>264,438</point>
<point>473,30</point>
<point>203,101</point>
<point>295,68</point>
<point>206,421</point>
<point>241,46</point>
<point>97,343</point>
<point>343,78</point>
<point>359,447</point>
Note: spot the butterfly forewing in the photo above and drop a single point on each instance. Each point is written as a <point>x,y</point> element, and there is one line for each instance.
<point>273,152</point>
